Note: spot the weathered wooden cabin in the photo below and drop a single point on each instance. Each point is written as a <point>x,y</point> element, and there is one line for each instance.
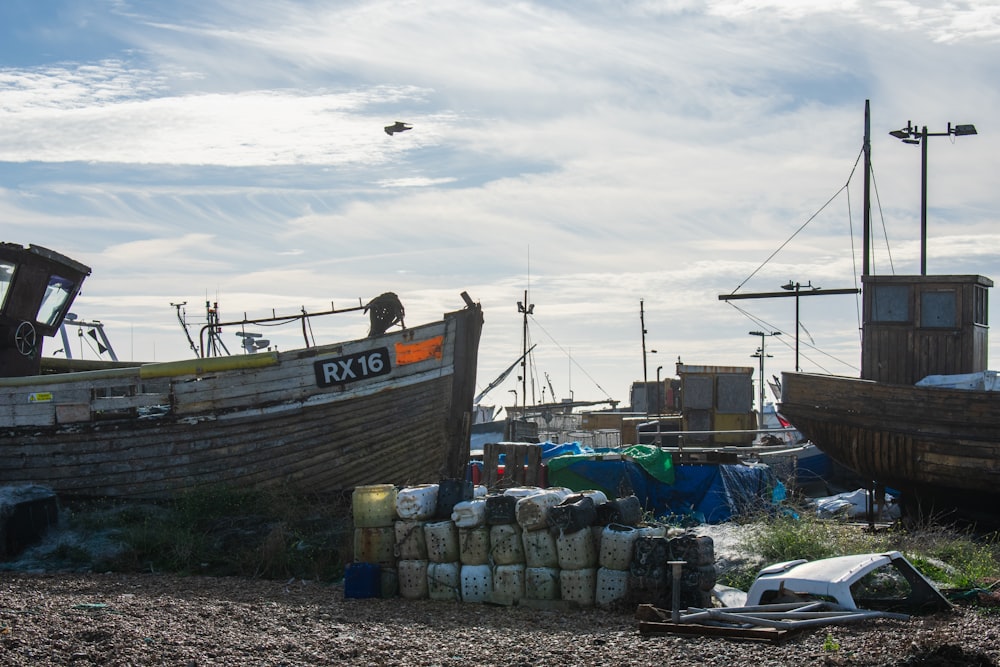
<point>917,326</point>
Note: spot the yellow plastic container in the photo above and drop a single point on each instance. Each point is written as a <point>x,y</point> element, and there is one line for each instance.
<point>374,506</point>
<point>375,545</point>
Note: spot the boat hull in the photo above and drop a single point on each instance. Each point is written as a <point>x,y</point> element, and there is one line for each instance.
<point>389,409</point>
<point>932,444</point>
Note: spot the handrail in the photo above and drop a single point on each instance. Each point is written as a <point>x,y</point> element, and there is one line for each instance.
<point>303,316</point>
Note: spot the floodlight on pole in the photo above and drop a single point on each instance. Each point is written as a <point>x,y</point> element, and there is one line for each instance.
<point>911,135</point>
<point>797,288</point>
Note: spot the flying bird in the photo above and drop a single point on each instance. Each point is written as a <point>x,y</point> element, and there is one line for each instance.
<point>397,127</point>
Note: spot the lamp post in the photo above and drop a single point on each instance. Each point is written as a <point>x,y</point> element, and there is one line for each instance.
<point>645,378</point>
<point>910,135</point>
<point>659,391</point>
<point>796,287</point>
<point>760,353</point>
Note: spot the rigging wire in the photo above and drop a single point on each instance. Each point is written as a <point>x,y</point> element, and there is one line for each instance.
<point>844,188</point>
<point>574,362</point>
<point>532,369</point>
<point>885,233</point>
<point>788,344</point>
<point>854,262</point>
<point>802,226</point>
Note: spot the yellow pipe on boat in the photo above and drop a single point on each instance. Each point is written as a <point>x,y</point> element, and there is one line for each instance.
<point>209,365</point>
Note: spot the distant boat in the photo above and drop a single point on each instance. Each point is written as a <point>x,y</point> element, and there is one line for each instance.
<point>388,408</point>
<point>939,446</point>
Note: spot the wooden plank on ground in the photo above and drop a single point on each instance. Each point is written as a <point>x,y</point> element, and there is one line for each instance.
<point>757,634</point>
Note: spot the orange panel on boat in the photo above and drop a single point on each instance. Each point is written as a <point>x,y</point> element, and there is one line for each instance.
<point>411,353</point>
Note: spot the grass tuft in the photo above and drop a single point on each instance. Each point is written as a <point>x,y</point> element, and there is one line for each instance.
<point>225,532</point>
<point>950,557</point>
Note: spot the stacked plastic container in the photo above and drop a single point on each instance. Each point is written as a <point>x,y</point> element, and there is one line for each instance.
<point>525,543</point>
<point>373,510</point>
<point>617,544</point>
<point>414,507</point>
<point>576,548</point>
<point>698,575</point>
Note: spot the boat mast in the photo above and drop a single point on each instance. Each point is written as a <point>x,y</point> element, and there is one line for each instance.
<point>525,309</point>
<point>866,224</point>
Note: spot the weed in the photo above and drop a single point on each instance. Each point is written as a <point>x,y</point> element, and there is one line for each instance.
<point>226,532</point>
<point>944,554</point>
<point>783,538</point>
<point>741,577</point>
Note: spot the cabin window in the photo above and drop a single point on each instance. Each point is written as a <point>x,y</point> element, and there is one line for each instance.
<point>980,309</point>
<point>6,277</point>
<point>891,303</point>
<point>57,294</point>
<point>735,394</point>
<point>938,309</point>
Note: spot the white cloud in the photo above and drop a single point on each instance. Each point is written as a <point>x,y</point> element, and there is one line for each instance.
<point>596,156</point>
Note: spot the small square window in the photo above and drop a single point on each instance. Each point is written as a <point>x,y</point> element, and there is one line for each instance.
<point>891,303</point>
<point>937,310</point>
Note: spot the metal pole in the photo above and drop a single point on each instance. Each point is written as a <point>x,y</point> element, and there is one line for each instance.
<point>642,323</point>
<point>659,391</point>
<point>797,327</point>
<point>760,404</point>
<point>866,218</point>
<point>659,407</point>
<point>761,354</point>
<point>923,201</point>
<point>910,135</point>
<point>675,589</point>
<point>524,359</point>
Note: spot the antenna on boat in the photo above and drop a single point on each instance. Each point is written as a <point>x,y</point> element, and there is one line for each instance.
<point>252,341</point>
<point>182,318</point>
<point>214,331</point>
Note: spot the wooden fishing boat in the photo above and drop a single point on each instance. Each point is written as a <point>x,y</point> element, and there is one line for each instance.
<point>939,447</point>
<point>393,407</point>
<point>937,444</point>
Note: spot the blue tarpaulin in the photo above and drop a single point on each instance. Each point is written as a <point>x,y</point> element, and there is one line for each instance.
<point>710,493</point>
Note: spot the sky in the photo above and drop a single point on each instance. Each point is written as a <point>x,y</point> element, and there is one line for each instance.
<point>623,163</point>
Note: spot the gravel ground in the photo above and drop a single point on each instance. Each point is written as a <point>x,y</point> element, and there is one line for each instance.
<point>114,619</point>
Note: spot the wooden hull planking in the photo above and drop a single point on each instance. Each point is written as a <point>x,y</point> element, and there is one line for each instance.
<point>257,421</point>
<point>940,442</point>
